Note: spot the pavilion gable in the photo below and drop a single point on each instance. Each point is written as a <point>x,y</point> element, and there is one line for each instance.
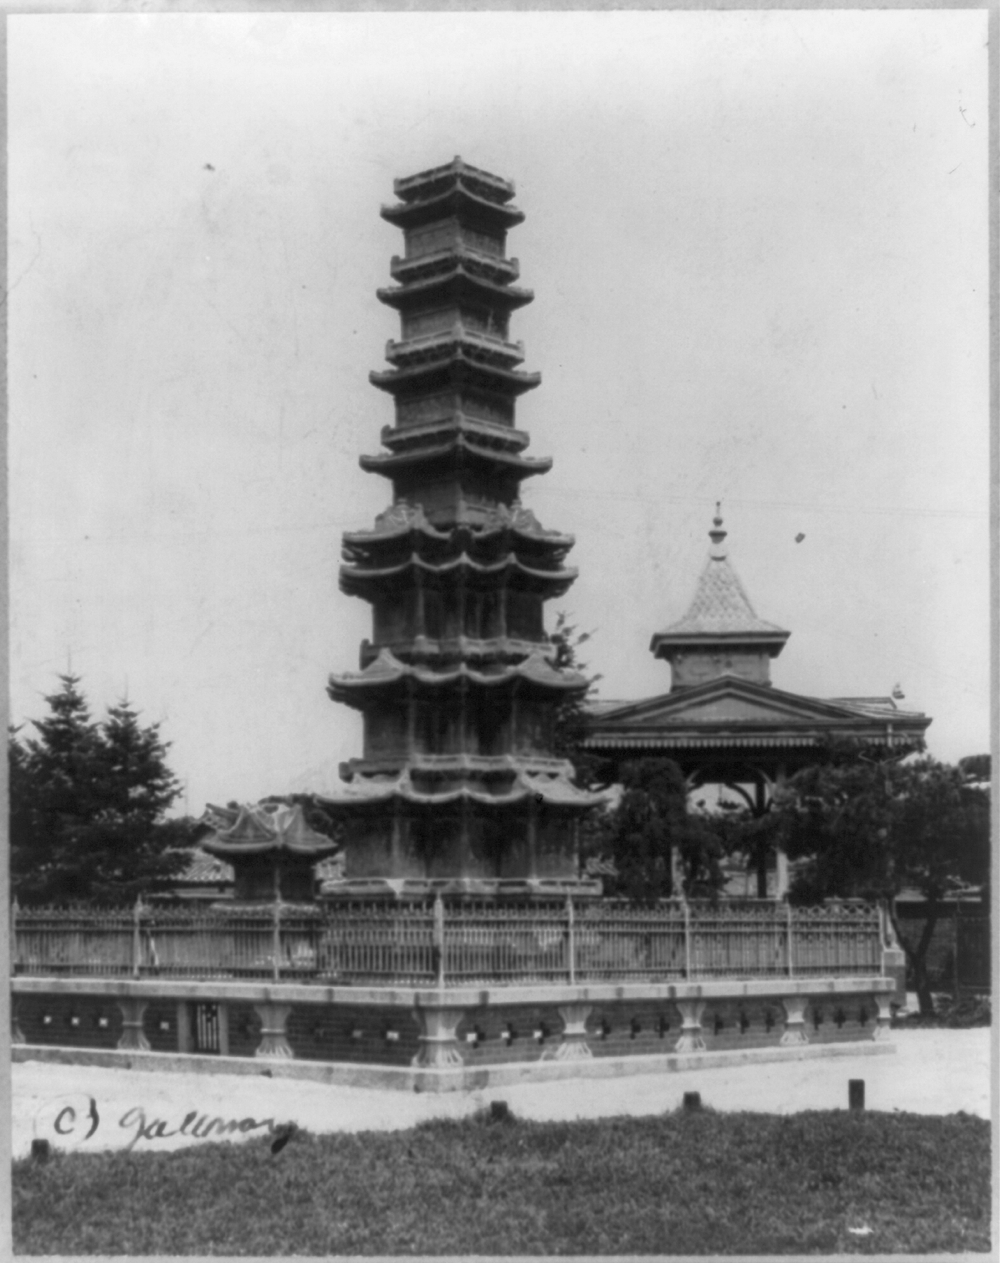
<point>726,699</point>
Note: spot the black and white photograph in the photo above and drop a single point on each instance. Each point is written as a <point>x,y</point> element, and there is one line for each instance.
<point>500,518</point>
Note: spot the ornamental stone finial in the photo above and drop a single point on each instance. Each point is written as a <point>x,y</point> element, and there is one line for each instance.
<point>717,534</point>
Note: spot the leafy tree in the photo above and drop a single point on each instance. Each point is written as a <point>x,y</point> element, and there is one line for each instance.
<point>750,834</point>
<point>650,824</point>
<point>872,828</point>
<point>590,771</point>
<point>87,805</point>
<point>976,767</point>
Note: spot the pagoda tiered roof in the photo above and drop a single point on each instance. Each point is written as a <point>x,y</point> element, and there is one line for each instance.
<point>502,530</point>
<point>459,360</point>
<point>435,180</point>
<point>458,449</point>
<point>453,276</point>
<point>479,263</point>
<point>453,189</point>
<point>520,785</point>
<point>387,672</point>
<point>263,828</point>
<point>357,580</point>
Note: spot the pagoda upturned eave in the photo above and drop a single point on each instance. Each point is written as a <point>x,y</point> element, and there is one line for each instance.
<point>264,828</point>
<point>527,789</point>
<point>436,179</point>
<point>518,528</point>
<point>388,672</point>
<point>453,285</point>
<point>495,268</point>
<point>458,367</point>
<point>459,202</point>
<point>503,566</point>
<point>453,456</point>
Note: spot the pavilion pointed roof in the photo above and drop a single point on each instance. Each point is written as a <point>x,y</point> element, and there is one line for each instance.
<point>720,612</point>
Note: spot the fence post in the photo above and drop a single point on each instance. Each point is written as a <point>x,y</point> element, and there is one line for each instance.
<point>137,937</point>
<point>687,937</point>
<point>572,939</point>
<point>788,921</point>
<point>439,936</point>
<point>276,937</point>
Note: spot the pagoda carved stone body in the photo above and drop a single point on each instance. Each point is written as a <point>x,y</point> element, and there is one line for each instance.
<point>457,787</point>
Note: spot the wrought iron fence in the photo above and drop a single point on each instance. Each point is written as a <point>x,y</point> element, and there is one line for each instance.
<point>453,943</point>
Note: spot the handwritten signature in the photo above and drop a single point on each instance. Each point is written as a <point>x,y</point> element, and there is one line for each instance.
<point>80,1119</point>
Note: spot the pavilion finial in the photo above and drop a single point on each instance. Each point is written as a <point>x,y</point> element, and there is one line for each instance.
<point>717,534</point>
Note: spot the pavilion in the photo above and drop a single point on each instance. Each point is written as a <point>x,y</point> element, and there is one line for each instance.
<point>723,721</point>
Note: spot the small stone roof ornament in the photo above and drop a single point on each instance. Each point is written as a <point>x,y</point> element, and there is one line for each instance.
<point>256,829</point>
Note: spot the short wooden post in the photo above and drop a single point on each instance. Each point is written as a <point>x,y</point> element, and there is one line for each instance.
<point>137,937</point>
<point>571,939</point>
<point>856,1094</point>
<point>439,937</point>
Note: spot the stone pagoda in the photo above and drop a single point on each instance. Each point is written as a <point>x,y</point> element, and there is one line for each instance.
<point>457,789</point>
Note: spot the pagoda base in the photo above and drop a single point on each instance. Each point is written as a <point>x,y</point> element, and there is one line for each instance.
<point>452,1038</point>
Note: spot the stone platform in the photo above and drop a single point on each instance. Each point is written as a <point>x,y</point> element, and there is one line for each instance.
<point>428,1039</point>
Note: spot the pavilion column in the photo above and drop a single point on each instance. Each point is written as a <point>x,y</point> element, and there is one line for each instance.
<point>760,809</point>
<point>780,858</point>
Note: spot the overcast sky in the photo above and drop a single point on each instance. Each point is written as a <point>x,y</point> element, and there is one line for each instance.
<point>758,245</point>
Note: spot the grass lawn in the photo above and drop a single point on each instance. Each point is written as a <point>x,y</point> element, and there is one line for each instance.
<point>682,1183</point>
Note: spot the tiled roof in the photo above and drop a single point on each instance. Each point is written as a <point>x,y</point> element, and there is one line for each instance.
<point>206,868</point>
<point>720,605</point>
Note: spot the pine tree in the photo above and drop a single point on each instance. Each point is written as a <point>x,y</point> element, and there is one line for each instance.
<point>87,806</point>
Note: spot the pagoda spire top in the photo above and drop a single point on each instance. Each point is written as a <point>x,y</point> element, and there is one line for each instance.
<point>720,634</point>
<point>717,535</point>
